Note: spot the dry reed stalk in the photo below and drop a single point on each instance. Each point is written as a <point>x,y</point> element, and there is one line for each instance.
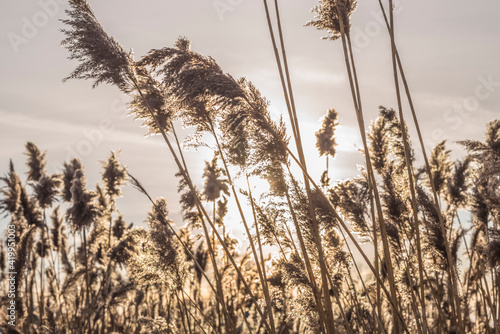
<point>288,91</point>
<point>398,65</point>
<point>359,114</point>
<point>354,241</point>
<point>409,171</point>
<point>247,230</point>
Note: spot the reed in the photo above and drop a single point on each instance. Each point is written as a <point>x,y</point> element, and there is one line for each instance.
<point>296,271</point>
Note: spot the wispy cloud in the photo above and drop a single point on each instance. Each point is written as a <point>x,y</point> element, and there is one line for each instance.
<point>13,122</point>
<point>26,123</point>
<point>318,76</point>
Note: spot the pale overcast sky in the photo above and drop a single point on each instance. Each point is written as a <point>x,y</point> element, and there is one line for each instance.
<point>450,49</point>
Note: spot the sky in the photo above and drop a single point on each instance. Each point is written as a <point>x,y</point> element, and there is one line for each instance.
<point>450,50</point>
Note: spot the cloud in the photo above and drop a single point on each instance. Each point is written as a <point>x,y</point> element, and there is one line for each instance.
<point>23,123</point>
<point>14,122</point>
<point>317,76</point>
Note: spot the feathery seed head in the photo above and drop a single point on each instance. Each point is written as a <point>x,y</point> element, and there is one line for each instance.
<point>3,258</point>
<point>30,209</point>
<point>47,188</point>
<point>328,18</point>
<point>102,59</point>
<point>351,197</point>
<point>458,183</point>
<point>156,259</point>
<point>68,175</point>
<point>194,84</point>
<point>325,137</point>
<point>440,166</point>
<point>216,185</point>
<point>83,211</point>
<point>183,44</point>
<point>11,193</point>
<point>119,227</point>
<point>113,176</point>
<point>57,226</point>
<point>379,145</point>
<point>36,162</point>
<point>493,136</point>
<point>151,97</point>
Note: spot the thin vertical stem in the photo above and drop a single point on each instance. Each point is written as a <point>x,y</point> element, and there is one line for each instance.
<point>298,141</point>
<point>264,275</point>
<point>409,168</point>
<point>396,60</point>
<point>42,258</point>
<point>355,92</point>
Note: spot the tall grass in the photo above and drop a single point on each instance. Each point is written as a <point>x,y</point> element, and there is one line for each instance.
<point>91,272</point>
